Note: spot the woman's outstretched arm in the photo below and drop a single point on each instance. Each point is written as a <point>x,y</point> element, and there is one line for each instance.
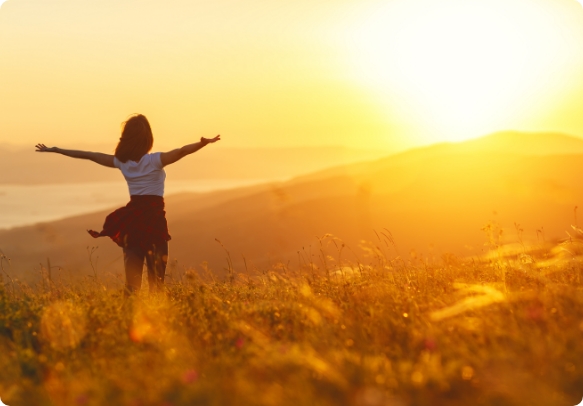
<point>97,157</point>
<point>170,157</point>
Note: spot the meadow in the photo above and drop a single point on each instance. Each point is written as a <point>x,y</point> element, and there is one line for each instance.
<point>342,326</point>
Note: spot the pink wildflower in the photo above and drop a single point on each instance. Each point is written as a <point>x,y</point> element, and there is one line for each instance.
<point>430,344</point>
<point>190,376</point>
<point>82,399</point>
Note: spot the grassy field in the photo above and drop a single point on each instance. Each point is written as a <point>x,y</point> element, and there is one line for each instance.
<point>505,329</point>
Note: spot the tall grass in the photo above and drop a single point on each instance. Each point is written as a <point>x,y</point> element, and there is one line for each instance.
<point>375,330</point>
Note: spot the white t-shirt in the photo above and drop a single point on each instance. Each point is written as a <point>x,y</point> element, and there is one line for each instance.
<point>145,177</point>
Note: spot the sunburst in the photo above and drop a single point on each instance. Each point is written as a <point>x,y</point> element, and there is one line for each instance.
<point>460,68</point>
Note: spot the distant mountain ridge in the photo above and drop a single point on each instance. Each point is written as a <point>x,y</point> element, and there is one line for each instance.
<point>524,143</point>
<point>433,200</point>
<point>504,142</point>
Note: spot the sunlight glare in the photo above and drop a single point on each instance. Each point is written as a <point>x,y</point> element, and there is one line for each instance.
<point>462,68</point>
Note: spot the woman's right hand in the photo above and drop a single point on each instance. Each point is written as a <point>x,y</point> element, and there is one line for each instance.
<point>44,148</point>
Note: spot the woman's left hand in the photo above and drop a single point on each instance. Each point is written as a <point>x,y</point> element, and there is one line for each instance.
<point>210,140</point>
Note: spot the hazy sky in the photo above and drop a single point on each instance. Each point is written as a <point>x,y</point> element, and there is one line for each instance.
<point>361,73</point>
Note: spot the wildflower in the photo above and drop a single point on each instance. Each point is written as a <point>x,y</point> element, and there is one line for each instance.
<point>430,344</point>
<point>190,376</point>
<point>82,399</point>
<point>535,312</point>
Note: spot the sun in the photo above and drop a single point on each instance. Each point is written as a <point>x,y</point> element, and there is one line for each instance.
<point>460,68</point>
<point>463,67</point>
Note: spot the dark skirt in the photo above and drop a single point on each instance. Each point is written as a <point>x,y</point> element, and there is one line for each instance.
<point>139,226</point>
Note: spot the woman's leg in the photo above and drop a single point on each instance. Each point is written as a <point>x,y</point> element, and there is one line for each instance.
<point>156,260</point>
<point>134,265</point>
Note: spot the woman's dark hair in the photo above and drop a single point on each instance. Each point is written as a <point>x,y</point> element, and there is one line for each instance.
<point>136,139</point>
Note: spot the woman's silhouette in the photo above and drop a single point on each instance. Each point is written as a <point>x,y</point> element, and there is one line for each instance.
<point>140,227</point>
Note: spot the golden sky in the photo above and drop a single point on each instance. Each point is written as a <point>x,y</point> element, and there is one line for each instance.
<point>372,74</point>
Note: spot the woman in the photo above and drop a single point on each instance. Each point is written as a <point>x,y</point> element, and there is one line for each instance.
<point>140,227</point>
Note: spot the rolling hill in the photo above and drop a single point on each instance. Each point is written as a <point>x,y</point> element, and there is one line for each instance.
<point>433,200</point>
